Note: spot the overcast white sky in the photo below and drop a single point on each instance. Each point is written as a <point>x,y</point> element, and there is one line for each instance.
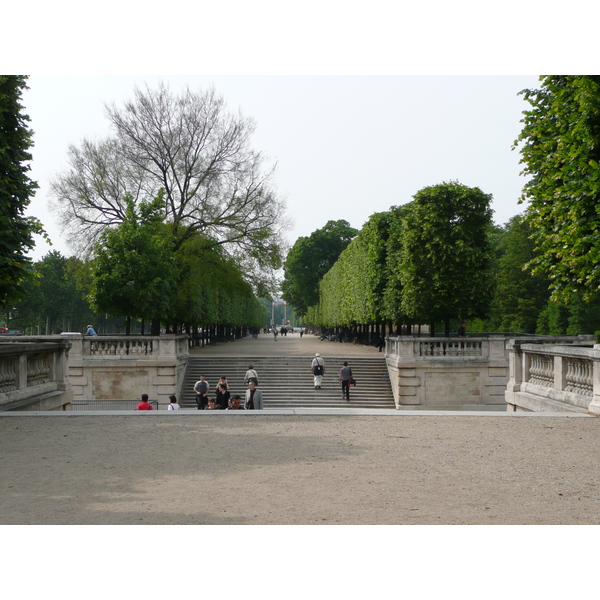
<point>360,108</point>
<point>345,146</point>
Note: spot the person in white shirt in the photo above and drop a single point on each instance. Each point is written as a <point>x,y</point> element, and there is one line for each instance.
<point>173,404</point>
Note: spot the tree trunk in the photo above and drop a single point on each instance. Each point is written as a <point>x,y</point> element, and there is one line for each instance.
<point>155,327</point>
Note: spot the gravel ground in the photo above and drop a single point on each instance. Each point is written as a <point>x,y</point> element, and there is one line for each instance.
<point>295,469</point>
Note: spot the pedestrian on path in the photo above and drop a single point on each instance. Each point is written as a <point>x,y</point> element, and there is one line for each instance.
<point>251,375</point>
<point>275,333</point>
<point>201,388</point>
<point>345,378</point>
<point>254,399</point>
<point>223,392</point>
<point>318,370</point>
<point>235,403</point>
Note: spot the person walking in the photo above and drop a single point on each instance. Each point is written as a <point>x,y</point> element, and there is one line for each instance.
<point>318,370</point>
<point>251,375</point>
<point>223,393</point>
<point>201,388</point>
<point>254,399</point>
<point>345,378</point>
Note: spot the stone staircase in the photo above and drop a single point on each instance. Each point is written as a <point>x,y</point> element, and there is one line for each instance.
<point>287,381</point>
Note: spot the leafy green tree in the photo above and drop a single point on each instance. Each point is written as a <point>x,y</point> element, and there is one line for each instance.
<point>134,271</point>
<point>561,154</point>
<point>55,300</point>
<point>393,291</point>
<point>16,190</point>
<point>520,295</point>
<point>446,259</point>
<point>309,259</point>
<point>190,146</point>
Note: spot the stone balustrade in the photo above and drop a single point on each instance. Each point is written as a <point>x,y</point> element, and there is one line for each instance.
<point>561,374</point>
<point>102,367</point>
<point>448,373</point>
<point>34,374</point>
<point>119,367</point>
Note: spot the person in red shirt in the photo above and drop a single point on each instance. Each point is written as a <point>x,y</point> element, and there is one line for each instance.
<point>143,405</point>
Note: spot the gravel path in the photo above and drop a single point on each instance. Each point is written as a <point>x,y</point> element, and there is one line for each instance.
<point>293,469</point>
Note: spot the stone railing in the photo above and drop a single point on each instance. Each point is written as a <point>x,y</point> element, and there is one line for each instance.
<point>119,367</point>
<point>34,374</point>
<point>448,373</point>
<point>554,375</point>
<point>128,346</point>
<point>446,348</point>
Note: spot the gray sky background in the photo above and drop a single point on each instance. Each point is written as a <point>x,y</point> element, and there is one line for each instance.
<point>360,106</point>
<point>345,146</point>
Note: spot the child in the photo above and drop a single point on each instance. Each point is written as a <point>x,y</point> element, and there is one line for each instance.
<point>173,403</point>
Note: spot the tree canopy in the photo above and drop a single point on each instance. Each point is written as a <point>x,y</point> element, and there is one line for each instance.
<point>16,190</point>
<point>561,153</point>
<point>188,145</point>
<point>446,259</point>
<point>134,270</point>
<point>309,259</point>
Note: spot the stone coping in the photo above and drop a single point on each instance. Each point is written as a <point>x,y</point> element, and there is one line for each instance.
<point>298,412</point>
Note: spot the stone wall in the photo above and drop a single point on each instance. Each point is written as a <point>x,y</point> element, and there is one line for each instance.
<point>125,367</point>
<point>554,375</point>
<point>34,374</point>
<point>448,373</point>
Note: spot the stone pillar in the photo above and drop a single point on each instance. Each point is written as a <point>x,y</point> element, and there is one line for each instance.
<point>560,373</point>
<point>594,406</point>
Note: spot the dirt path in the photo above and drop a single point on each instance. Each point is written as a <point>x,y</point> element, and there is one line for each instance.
<point>275,469</point>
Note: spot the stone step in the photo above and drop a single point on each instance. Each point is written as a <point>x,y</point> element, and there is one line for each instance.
<point>287,382</point>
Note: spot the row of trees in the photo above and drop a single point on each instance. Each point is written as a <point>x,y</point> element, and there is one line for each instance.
<point>173,216</point>
<point>539,273</point>
<point>367,284</point>
<point>428,261</point>
<point>61,298</point>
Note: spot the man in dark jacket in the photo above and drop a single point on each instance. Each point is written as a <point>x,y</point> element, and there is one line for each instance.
<point>345,377</point>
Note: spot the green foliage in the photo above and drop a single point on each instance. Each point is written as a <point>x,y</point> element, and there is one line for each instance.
<point>56,299</point>
<point>446,259</point>
<point>521,295</point>
<point>561,154</point>
<point>577,317</point>
<point>392,293</point>
<point>309,259</point>
<point>211,289</point>
<point>134,272</point>
<point>16,190</point>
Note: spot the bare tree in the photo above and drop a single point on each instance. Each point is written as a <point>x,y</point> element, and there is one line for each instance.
<point>189,145</point>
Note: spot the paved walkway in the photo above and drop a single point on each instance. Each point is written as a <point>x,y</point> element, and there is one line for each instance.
<point>289,345</point>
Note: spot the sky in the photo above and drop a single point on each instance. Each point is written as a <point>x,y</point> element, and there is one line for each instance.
<point>345,146</point>
<point>360,109</point>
